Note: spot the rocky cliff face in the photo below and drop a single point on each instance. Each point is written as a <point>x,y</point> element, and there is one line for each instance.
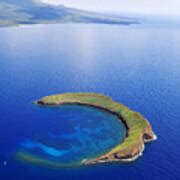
<point>127,154</point>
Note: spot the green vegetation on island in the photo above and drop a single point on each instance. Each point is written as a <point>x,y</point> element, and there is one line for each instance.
<point>138,128</point>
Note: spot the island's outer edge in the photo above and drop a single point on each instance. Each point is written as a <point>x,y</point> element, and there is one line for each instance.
<point>126,151</point>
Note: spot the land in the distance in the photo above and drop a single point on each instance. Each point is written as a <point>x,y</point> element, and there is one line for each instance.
<point>13,13</point>
<point>139,130</point>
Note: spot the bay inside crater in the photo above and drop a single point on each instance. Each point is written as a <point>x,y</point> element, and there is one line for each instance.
<point>68,134</point>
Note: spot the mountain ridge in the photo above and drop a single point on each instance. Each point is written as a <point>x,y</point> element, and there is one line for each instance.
<point>40,13</point>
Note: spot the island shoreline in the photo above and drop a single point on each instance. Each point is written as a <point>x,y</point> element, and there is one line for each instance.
<point>138,129</point>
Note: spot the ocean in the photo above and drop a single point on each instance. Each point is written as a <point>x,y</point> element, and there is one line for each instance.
<point>136,65</point>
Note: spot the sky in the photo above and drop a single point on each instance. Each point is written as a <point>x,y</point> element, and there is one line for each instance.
<point>152,7</point>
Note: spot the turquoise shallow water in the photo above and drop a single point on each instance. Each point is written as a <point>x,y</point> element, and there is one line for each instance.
<point>136,65</point>
<point>70,134</point>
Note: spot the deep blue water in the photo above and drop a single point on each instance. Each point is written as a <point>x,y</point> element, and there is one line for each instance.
<point>138,66</point>
<point>70,134</point>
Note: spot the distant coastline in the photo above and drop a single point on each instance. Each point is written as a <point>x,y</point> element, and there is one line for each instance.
<point>15,14</point>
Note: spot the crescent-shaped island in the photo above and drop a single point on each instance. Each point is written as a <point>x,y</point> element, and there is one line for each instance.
<point>138,129</point>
